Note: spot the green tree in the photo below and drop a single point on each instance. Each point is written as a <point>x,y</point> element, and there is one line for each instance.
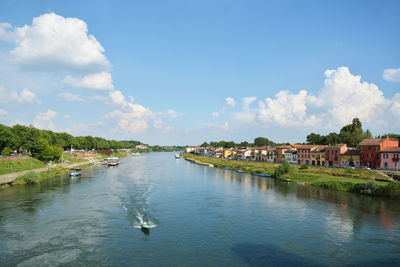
<point>314,139</point>
<point>205,144</point>
<point>6,151</point>
<point>262,141</point>
<point>352,134</point>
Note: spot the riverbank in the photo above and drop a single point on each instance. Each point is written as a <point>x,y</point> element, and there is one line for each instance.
<point>348,180</point>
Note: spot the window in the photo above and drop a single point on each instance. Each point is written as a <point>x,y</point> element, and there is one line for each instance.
<point>369,155</point>
<point>362,149</point>
<point>377,148</point>
<point>386,164</point>
<point>385,156</point>
<point>369,148</point>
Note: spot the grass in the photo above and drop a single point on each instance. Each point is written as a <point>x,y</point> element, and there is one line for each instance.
<point>69,158</point>
<point>53,172</point>
<point>9,166</point>
<point>333,178</point>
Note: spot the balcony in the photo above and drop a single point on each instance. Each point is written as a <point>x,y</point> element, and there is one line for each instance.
<point>395,159</point>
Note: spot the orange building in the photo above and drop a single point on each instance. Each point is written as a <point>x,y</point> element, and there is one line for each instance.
<point>370,148</point>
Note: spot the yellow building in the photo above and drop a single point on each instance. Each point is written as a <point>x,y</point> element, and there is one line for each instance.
<point>227,153</point>
<point>318,156</point>
<point>350,158</point>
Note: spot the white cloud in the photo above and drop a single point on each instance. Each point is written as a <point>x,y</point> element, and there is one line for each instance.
<point>43,120</point>
<point>230,101</point>
<point>391,75</point>
<point>67,116</point>
<point>96,81</point>
<point>99,98</point>
<point>67,96</point>
<point>286,109</point>
<point>25,96</point>
<point>54,42</point>
<point>3,112</point>
<point>247,114</point>
<point>117,98</point>
<point>172,114</point>
<point>395,107</point>
<point>158,124</point>
<point>345,97</point>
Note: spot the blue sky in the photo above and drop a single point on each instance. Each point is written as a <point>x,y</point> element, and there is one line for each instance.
<point>184,72</point>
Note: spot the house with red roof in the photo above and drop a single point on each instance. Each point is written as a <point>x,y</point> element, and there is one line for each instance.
<point>371,148</point>
<point>389,158</point>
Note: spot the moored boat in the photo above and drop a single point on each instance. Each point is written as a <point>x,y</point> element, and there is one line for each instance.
<point>112,161</point>
<point>74,172</point>
<point>177,156</point>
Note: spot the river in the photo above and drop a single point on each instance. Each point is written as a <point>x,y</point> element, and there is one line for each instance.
<point>201,216</point>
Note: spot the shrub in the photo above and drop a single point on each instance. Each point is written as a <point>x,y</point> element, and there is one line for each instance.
<point>284,168</point>
<point>31,177</point>
<point>6,151</point>
<point>370,188</point>
<point>392,190</point>
<point>304,167</point>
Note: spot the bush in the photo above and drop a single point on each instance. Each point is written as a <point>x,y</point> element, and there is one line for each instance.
<point>304,167</point>
<point>370,188</point>
<point>284,168</point>
<point>32,177</point>
<point>6,151</point>
<point>392,190</point>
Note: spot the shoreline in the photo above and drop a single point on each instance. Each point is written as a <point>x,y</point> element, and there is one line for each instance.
<point>357,181</point>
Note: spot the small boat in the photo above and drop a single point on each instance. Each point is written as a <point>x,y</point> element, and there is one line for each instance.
<point>286,180</point>
<point>240,171</point>
<point>74,172</point>
<point>177,156</point>
<point>112,161</point>
<point>301,183</point>
<point>264,175</point>
<point>225,169</point>
<point>145,225</point>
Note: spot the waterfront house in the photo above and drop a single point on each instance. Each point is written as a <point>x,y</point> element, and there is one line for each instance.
<point>332,154</point>
<point>227,152</point>
<point>304,153</point>
<point>280,151</point>
<point>389,158</point>
<point>350,158</point>
<point>190,149</point>
<point>291,156</point>
<point>241,153</point>
<point>318,156</point>
<point>370,149</point>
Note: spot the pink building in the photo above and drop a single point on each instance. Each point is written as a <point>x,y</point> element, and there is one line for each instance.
<point>389,158</point>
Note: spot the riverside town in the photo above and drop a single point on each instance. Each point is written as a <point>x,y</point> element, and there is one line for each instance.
<point>200,133</point>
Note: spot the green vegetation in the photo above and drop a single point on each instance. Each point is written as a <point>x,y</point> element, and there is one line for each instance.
<point>349,180</point>
<point>157,148</point>
<point>24,138</point>
<point>46,152</point>
<point>259,141</point>
<point>31,177</point>
<point>304,167</point>
<point>9,166</point>
<point>6,151</point>
<point>351,135</point>
<point>284,168</point>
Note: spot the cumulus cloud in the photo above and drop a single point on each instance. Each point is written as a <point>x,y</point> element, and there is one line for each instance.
<point>230,101</point>
<point>96,81</point>
<point>391,75</point>
<point>67,96</point>
<point>345,97</point>
<point>25,96</point>
<point>3,112</point>
<point>395,107</point>
<point>43,120</point>
<point>285,109</point>
<point>247,114</point>
<point>55,42</point>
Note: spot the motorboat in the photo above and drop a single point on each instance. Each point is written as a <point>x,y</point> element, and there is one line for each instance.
<point>264,175</point>
<point>145,225</point>
<point>177,156</point>
<point>74,172</point>
<point>112,161</point>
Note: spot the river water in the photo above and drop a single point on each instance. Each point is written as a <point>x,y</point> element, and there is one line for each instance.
<point>201,216</point>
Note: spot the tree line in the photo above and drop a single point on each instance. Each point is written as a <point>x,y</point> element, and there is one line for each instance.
<point>351,135</point>
<point>258,142</point>
<point>47,143</point>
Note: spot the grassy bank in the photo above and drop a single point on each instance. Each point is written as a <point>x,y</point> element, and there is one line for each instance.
<point>9,166</point>
<point>349,180</point>
<point>53,172</point>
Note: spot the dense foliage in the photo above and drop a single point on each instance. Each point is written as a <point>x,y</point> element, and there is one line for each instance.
<point>351,135</point>
<point>283,169</point>
<point>26,138</point>
<point>32,177</point>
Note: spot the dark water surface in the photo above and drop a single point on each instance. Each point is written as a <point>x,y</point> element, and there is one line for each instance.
<point>202,216</point>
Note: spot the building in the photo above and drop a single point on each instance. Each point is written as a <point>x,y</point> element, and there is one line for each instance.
<point>304,153</point>
<point>291,156</point>
<point>227,153</point>
<point>280,152</point>
<point>318,156</point>
<point>370,149</point>
<point>389,158</point>
<point>190,149</point>
<point>332,155</point>
<point>350,158</point>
